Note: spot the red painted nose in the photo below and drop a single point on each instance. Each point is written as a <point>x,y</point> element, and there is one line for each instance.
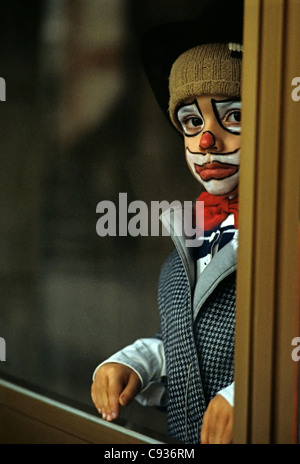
<point>207,140</point>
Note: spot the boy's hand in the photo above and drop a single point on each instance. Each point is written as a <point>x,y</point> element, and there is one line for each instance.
<point>217,422</point>
<point>114,385</point>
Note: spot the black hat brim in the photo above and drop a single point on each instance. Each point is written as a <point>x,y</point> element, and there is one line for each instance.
<point>220,22</point>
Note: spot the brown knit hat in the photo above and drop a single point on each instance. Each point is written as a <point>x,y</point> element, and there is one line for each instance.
<point>208,69</point>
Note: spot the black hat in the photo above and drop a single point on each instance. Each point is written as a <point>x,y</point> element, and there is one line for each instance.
<point>219,22</point>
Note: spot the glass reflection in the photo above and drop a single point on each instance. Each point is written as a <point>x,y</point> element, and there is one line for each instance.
<point>78,115</point>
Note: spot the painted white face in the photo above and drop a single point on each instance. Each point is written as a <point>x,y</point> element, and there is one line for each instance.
<point>212,137</point>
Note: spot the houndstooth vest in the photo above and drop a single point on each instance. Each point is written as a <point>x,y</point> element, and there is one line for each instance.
<point>197,325</point>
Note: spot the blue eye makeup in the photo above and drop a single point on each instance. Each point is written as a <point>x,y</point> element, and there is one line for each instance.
<point>191,119</point>
<point>229,114</point>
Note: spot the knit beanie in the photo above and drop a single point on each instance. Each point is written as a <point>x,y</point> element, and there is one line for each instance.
<point>208,69</point>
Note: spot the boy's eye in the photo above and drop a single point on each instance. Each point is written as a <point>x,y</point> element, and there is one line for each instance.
<point>190,119</point>
<point>229,114</point>
<point>234,117</point>
<point>232,121</point>
<point>192,122</point>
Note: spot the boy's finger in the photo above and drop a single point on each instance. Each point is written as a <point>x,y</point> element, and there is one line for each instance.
<point>130,390</point>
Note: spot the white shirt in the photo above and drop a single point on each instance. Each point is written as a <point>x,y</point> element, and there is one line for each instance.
<point>146,355</point>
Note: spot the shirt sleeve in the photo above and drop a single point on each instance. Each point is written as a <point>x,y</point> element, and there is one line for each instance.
<point>228,393</point>
<point>147,358</point>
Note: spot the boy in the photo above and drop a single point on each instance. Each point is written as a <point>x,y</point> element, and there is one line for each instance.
<point>190,367</point>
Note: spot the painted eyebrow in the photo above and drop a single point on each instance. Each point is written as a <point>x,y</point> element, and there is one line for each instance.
<point>225,105</point>
<point>222,103</point>
<point>185,109</point>
<point>233,99</point>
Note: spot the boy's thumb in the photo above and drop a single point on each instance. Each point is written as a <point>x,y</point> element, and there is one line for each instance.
<point>130,390</point>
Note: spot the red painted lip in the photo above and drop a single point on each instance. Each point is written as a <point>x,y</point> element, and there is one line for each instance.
<point>216,170</point>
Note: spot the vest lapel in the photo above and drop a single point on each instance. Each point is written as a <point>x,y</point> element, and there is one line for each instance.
<point>223,264</point>
<point>173,221</point>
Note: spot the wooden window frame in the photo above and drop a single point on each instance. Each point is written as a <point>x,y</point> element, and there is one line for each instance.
<point>267,300</point>
<point>28,417</point>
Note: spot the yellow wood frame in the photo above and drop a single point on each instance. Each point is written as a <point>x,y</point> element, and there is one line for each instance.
<point>30,418</point>
<point>267,305</point>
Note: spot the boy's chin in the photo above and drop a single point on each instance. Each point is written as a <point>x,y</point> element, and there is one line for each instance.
<point>217,188</point>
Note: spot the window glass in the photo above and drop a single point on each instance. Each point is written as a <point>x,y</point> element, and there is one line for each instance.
<point>79,126</point>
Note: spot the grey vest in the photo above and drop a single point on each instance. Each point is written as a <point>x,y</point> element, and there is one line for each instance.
<point>197,324</point>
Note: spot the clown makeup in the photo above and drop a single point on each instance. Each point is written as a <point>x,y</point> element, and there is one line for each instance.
<point>212,128</point>
<point>191,119</point>
<point>228,113</point>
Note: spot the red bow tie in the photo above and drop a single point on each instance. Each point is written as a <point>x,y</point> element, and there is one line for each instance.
<point>217,208</point>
